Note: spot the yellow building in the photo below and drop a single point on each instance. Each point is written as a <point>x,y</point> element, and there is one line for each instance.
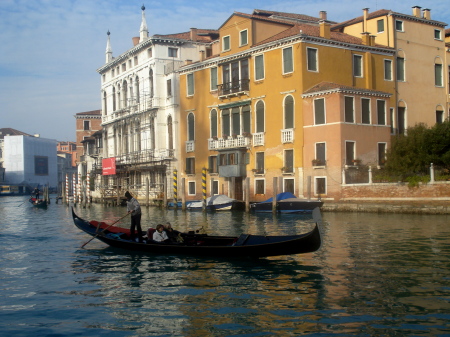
<point>420,62</point>
<point>285,104</point>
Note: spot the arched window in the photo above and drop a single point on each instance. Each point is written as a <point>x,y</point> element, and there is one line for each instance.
<point>260,117</point>
<point>114,99</point>
<point>170,132</point>
<point>125,94</point>
<point>191,127</point>
<point>151,83</point>
<point>289,112</point>
<point>213,123</point>
<point>105,107</point>
<point>136,83</point>
<point>226,126</point>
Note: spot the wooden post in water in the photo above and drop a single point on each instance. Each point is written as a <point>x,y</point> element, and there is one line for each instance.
<point>204,189</point>
<point>165,191</point>
<point>183,195</point>
<point>175,188</point>
<point>147,192</point>
<point>274,193</point>
<point>308,187</point>
<point>247,194</point>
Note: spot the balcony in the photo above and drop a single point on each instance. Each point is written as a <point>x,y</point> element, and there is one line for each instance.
<point>190,146</point>
<point>132,108</point>
<point>258,139</point>
<point>234,88</point>
<point>228,143</point>
<point>287,136</point>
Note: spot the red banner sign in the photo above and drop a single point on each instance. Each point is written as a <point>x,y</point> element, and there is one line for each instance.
<point>108,166</point>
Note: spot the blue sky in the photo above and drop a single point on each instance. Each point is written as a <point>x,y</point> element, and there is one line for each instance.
<point>51,49</point>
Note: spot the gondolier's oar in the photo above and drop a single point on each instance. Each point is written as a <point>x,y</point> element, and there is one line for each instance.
<point>103,230</point>
<point>23,202</point>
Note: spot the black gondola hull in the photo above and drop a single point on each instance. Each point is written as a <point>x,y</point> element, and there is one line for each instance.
<point>204,245</point>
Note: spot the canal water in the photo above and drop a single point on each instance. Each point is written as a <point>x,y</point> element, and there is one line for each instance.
<point>375,275</point>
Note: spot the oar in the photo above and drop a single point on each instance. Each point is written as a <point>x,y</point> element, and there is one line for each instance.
<point>103,230</point>
<point>23,203</point>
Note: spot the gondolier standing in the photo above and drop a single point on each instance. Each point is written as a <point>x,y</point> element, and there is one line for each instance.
<point>134,208</point>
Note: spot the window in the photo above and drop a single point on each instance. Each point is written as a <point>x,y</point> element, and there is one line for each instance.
<point>213,121</point>
<point>235,121</point>
<point>319,111</point>
<point>349,152</point>
<point>235,77</point>
<point>388,70</point>
<point>215,187</point>
<point>86,125</point>
<point>349,110</point>
<point>213,78</point>
<point>124,67</point>
<point>438,76</point>
<point>288,161</point>
<point>320,185</point>
<point>437,34</point>
<point>260,117</point>
<point>259,67</point>
<point>401,120</point>
<point>320,158</point>
<point>259,186</point>
<point>169,87</point>
<point>399,26</point>
<point>289,185</point>
<point>312,64</point>
<point>259,162</point>
<point>381,112</point>
<point>226,43</point>
<point>400,69</point>
<point>190,84</point>
<point>289,112</point>
<point>212,164</point>
<point>191,188</point>
<point>439,116</point>
<point>357,66</point>
<point>190,165</point>
<point>381,153</point>
<point>243,35</point>
<point>191,127</point>
<point>246,119</point>
<point>365,110</point>
<point>226,126</point>
<point>288,63</point>
<point>380,26</point>
<point>149,52</point>
<point>173,52</point>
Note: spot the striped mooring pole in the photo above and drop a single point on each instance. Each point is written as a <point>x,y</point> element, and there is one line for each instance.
<point>175,188</point>
<point>204,188</point>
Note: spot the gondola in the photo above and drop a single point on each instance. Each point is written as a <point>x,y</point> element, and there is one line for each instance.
<point>245,245</point>
<point>38,203</point>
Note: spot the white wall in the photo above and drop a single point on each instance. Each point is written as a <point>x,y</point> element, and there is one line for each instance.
<point>19,163</point>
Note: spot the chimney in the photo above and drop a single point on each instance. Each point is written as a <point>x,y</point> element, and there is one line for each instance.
<point>372,40</point>
<point>416,11</point>
<point>427,13</point>
<point>324,29</point>
<point>365,15</point>
<point>135,40</point>
<point>202,55</point>
<point>186,62</point>
<point>323,15</point>
<point>194,34</point>
<point>366,39</point>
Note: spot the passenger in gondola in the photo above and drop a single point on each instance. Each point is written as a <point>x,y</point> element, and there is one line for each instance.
<point>172,234</point>
<point>134,208</point>
<point>160,234</point>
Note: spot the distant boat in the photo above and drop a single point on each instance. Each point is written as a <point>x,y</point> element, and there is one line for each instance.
<point>286,202</point>
<point>218,202</point>
<point>38,203</point>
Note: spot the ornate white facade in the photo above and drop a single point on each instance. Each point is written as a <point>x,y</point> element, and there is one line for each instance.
<point>140,111</point>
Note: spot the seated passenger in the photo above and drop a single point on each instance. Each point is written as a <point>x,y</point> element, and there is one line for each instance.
<point>171,233</point>
<point>160,235</point>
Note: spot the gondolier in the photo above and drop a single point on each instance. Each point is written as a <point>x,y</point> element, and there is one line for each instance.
<point>134,208</point>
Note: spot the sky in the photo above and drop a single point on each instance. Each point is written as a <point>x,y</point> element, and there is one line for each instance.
<point>50,50</point>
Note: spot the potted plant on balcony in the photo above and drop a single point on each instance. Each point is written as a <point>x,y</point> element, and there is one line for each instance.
<point>234,135</point>
<point>316,162</point>
<point>356,161</point>
<point>247,134</point>
<point>214,137</point>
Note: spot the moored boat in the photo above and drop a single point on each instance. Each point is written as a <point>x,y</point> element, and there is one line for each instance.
<point>287,203</point>
<point>206,245</point>
<point>218,202</point>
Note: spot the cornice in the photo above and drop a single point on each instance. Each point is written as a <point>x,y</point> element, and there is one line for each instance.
<point>355,91</point>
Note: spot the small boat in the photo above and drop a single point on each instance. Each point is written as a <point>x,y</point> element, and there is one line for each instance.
<point>287,203</point>
<point>245,245</point>
<point>218,202</point>
<point>39,203</point>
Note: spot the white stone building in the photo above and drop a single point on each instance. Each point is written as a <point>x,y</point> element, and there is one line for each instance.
<point>30,160</point>
<point>140,111</point>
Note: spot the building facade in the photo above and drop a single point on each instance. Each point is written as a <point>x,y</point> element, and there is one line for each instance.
<point>140,111</point>
<point>87,123</point>
<point>286,105</point>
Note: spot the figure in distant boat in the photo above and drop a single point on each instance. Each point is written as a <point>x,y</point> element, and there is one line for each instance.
<point>36,193</point>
